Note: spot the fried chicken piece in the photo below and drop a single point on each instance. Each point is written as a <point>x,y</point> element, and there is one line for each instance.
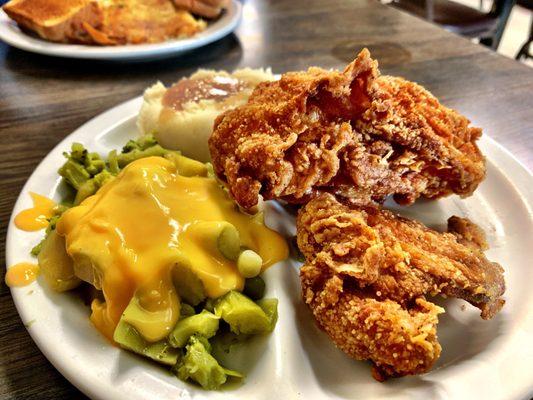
<point>424,147</point>
<point>368,271</point>
<point>288,137</point>
<point>399,341</point>
<point>353,133</point>
<point>467,232</point>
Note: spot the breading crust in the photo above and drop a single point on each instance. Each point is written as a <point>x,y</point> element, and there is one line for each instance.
<point>356,134</point>
<point>371,261</point>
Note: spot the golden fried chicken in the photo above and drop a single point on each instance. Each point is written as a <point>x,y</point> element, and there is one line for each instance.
<point>353,133</point>
<point>367,274</point>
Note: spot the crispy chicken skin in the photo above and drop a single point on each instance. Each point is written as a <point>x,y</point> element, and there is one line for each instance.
<point>354,133</point>
<point>434,151</point>
<point>368,271</point>
<point>288,138</point>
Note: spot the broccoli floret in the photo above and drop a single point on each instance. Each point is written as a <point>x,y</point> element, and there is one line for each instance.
<point>142,143</point>
<point>200,366</point>
<point>74,173</point>
<point>58,211</point>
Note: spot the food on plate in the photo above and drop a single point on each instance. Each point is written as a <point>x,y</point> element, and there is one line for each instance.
<point>104,22</point>
<point>367,273</point>
<point>203,8</point>
<point>354,133</point>
<point>182,116</point>
<point>56,20</point>
<point>56,266</point>
<point>175,263</point>
<point>167,252</point>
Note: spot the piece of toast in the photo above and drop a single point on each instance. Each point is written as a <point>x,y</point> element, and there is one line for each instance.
<point>57,20</point>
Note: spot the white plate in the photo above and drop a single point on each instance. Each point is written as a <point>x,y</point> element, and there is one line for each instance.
<point>480,359</point>
<point>13,35</point>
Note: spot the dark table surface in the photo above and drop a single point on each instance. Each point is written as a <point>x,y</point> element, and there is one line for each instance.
<point>44,99</point>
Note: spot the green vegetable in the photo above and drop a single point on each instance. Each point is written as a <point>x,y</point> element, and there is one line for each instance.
<point>92,185</point>
<point>186,310</point>
<point>254,288</point>
<point>154,151</point>
<point>242,314</point>
<point>187,166</point>
<point>209,305</point>
<point>270,307</point>
<point>74,173</point>
<point>249,263</point>
<point>141,143</point>
<point>112,162</point>
<point>81,165</point>
<point>232,373</point>
<point>205,324</point>
<point>87,189</point>
<point>139,317</point>
<point>204,342</point>
<point>58,211</point>
<point>224,342</point>
<point>78,152</point>
<point>102,178</point>
<point>200,366</point>
<point>210,171</point>
<point>35,250</point>
<point>189,286</point>
<point>229,242</point>
<point>94,164</point>
<point>127,337</point>
<point>196,339</point>
<point>56,265</point>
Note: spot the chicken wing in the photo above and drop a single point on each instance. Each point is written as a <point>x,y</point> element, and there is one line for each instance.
<point>353,133</point>
<point>367,274</point>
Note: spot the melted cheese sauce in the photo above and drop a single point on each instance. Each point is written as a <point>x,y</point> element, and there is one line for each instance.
<point>35,218</point>
<point>138,226</point>
<point>21,274</point>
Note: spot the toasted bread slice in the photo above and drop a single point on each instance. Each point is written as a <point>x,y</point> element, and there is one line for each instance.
<point>56,20</point>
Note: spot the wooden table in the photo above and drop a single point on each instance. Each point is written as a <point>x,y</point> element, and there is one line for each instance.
<point>44,99</point>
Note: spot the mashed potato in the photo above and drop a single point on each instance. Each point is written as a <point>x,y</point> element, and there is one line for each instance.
<point>181,117</point>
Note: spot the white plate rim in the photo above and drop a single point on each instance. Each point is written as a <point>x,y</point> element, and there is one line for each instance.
<point>12,35</point>
<point>522,180</point>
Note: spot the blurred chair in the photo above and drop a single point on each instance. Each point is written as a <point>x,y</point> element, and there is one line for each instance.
<point>524,50</point>
<point>461,19</point>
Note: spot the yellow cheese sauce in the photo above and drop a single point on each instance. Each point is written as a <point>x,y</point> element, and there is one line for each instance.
<point>21,274</point>
<point>35,218</point>
<point>127,237</point>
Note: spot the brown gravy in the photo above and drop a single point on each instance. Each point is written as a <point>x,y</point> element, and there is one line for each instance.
<point>186,90</point>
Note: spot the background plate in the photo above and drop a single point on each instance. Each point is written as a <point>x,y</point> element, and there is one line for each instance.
<point>11,34</point>
<point>480,359</point>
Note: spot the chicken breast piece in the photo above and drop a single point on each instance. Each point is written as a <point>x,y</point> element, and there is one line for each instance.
<point>352,133</point>
<point>367,274</point>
